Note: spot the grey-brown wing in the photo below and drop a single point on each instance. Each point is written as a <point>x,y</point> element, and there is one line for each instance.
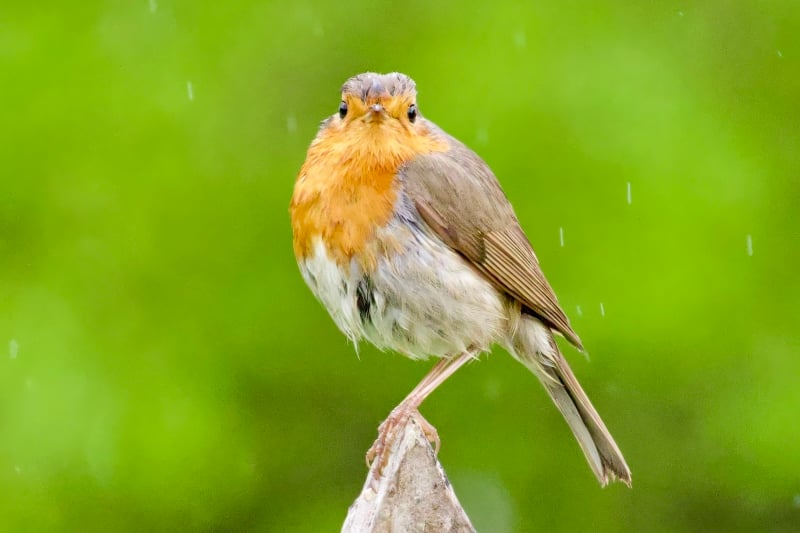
<point>458,196</point>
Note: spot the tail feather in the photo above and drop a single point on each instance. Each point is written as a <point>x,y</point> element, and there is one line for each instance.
<point>535,347</point>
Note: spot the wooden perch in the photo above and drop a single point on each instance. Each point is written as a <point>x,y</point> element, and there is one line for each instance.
<point>412,494</point>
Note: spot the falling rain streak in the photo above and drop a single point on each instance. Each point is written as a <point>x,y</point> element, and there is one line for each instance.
<point>561,236</point>
<point>153,6</point>
<point>519,39</point>
<point>579,310</point>
<point>190,90</point>
<point>291,123</point>
<point>629,193</point>
<point>13,348</point>
<point>602,309</point>
<point>750,245</point>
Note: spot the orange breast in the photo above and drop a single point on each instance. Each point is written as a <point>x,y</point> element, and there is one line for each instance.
<point>347,189</point>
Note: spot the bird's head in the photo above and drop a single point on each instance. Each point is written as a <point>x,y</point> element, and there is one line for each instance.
<point>377,103</point>
<point>376,130</point>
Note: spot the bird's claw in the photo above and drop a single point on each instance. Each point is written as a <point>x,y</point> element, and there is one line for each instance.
<point>390,429</point>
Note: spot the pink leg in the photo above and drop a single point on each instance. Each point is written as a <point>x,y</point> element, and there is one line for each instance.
<point>409,408</point>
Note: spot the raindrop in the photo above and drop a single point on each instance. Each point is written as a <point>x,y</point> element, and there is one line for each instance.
<point>519,39</point>
<point>17,469</point>
<point>561,236</point>
<point>492,389</point>
<point>602,310</point>
<point>750,245</point>
<point>190,90</point>
<point>680,13</point>
<point>780,54</point>
<point>629,193</point>
<point>291,123</point>
<point>579,310</point>
<point>153,6</point>
<point>13,348</point>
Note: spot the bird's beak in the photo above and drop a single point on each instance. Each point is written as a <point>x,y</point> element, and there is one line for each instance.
<point>376,113</point>
<point>376,96</point>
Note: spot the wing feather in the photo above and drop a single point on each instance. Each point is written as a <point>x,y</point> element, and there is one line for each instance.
<point>459,198</point>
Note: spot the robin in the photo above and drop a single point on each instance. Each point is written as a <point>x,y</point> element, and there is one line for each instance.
<point>407,238</point>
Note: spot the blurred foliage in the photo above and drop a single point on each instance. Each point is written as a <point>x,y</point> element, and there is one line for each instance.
<point>164,367</point>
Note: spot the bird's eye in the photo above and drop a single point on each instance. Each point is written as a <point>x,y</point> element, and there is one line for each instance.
<point>343,109</point>
<point>412,112</point>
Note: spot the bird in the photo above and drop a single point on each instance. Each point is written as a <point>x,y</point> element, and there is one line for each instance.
<point>407,238</point>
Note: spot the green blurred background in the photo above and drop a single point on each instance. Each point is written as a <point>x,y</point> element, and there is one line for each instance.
<point>163,367</point>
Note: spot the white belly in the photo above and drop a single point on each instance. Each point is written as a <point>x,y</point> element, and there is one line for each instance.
<point>425,301</point>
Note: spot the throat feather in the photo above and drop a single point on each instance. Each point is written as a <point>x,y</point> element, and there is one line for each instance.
<point>347,190</point>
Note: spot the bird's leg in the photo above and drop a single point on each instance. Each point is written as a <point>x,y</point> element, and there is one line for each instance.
<point>409,408</point>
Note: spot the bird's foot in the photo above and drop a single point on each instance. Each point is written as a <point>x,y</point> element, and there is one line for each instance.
<point>391,428</point>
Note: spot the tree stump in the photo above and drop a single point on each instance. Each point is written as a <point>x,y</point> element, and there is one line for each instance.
<point>412,495</point>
